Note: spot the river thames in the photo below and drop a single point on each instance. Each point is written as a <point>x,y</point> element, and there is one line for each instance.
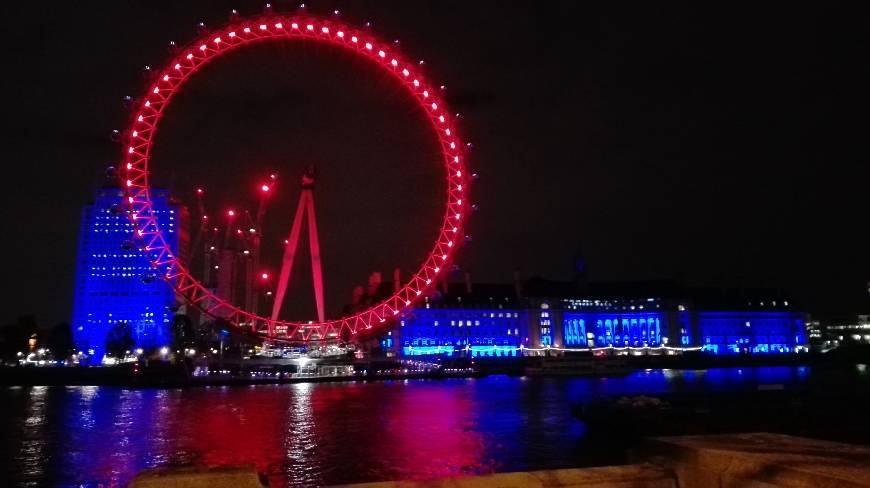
<point>327,433</point>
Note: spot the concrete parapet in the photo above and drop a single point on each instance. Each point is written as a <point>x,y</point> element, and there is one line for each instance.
<point>631,476</point>
<point>759,460</point>
<point>197,478</point>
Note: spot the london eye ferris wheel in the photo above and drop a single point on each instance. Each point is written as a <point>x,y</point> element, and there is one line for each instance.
<point>139,140</point>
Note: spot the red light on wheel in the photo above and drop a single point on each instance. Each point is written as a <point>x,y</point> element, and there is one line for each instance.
<point>265,188</point>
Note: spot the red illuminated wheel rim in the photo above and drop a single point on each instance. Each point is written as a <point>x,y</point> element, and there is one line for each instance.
<point>139,139</point>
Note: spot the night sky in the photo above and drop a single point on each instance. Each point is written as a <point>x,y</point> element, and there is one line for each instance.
<point>719,146</point>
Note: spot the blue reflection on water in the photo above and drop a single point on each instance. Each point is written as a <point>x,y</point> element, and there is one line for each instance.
<point>315,434</point>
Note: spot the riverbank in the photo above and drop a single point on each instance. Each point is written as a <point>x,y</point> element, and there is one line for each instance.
<point>167,374</point>
<point>587,364</point>
<point>176,376</point>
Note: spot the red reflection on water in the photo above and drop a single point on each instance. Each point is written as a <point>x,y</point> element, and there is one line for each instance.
<point>238,427</point>
<point>311,434</point>
<point>431,433</point>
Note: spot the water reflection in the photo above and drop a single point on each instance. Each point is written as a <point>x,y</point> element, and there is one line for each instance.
<point>34,443</point>
<point>428,431</point>
<point>314,434</point>
<point>300,440</point>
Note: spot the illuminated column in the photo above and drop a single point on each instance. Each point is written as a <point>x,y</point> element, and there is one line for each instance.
<point>557,327</point>
<point>306,202</point>
<point>316,272</point>
<point>289,255</point>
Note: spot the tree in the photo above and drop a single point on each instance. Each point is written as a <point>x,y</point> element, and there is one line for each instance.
<point>119,340</point>
<point>15,338</point>
<point>61,341</point>
<point>27,329</point>
<point>183,334</point>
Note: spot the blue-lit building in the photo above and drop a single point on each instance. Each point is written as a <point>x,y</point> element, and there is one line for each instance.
<point>752,332</point>
<point>488,323</point>
<point>114,280</point>
<point>635,328</point>
<point>540,317</point>
<point>594,323</point>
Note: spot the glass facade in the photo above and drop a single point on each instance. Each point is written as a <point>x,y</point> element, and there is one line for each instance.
<point>114,280</point>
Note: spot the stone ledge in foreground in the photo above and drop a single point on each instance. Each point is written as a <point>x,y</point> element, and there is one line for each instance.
<point>759,460</point>
<point>197,477</point>
<point>630,476</point>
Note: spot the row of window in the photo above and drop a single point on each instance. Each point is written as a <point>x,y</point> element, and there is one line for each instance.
<point>489,341</point>
<point>466,313</point>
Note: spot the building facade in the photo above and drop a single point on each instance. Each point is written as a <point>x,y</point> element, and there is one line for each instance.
<point>458,323</point>
<point>501,321</point>
<point>752,332</point>
<point>114,279</point>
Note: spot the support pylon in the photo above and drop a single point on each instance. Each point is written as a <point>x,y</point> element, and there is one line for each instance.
<point>306,203</point>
